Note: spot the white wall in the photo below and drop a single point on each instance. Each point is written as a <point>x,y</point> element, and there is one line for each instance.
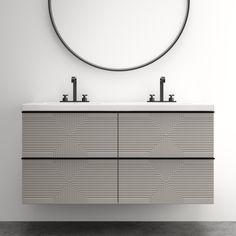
<point>34,66</point>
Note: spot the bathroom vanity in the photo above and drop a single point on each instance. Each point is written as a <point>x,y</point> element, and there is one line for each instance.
<point>124,153</point>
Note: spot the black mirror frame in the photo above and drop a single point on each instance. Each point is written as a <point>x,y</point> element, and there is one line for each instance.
<point>113,69</point>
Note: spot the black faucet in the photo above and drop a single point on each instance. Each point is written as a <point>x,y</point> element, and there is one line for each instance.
<point>171,98</point>
<point>162,81</point>
<point>74,82</point>
<point>65,96</point>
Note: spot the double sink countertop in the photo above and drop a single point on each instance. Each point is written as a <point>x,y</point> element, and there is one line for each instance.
<point>116,107</point>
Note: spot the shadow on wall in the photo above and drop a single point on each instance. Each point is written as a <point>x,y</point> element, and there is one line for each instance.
<point>125,212</point>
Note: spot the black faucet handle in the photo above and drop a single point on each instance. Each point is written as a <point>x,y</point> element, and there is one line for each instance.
<point>152,99</point>
<point>84,98</point>
<point>171,98</point>
<point>65,98</point>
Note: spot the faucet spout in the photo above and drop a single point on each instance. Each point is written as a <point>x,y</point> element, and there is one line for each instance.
<point>162,81</point>
<point>74,81</point>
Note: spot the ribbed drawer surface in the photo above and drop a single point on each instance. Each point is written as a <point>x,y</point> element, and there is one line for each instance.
<point>166,181</point>
<point>69,135</point>
<point>69,181</point>
<point>166,135</point>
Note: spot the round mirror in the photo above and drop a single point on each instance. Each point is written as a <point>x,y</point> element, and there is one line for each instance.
<point>119,35</point>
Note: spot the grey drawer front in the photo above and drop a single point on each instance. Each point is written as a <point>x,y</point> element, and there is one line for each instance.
<point>69,135</point>
<point>166,135</point>
<point>166,181</point>
<point>69,181</point>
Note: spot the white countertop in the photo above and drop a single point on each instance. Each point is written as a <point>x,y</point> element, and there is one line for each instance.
<point>121,106</point>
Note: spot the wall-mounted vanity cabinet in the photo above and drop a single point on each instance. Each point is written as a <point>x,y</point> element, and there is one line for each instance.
<point>117,154</point>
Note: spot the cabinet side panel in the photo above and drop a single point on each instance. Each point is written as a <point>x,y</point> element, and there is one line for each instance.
<point>166,135</point>
<point>69,135</point>
<point>69,181</point>
<point>166,181</point>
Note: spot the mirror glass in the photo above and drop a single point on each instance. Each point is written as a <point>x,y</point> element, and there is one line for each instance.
<point>119,34</point>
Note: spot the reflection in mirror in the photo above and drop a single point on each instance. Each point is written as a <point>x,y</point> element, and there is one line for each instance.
<point>119,34</point>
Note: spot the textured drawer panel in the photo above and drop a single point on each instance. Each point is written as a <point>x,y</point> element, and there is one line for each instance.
<point>166,181</point>
<point>69,181</point>
<point>69,135</point>
<point>166,135</point>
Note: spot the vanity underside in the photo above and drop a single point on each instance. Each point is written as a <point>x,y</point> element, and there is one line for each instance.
<point>118,157</point>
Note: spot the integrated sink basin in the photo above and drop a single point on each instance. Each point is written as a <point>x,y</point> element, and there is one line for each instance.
<point>113,106</point>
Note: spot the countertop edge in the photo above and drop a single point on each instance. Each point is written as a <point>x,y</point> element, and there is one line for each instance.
<point>40,107</point>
